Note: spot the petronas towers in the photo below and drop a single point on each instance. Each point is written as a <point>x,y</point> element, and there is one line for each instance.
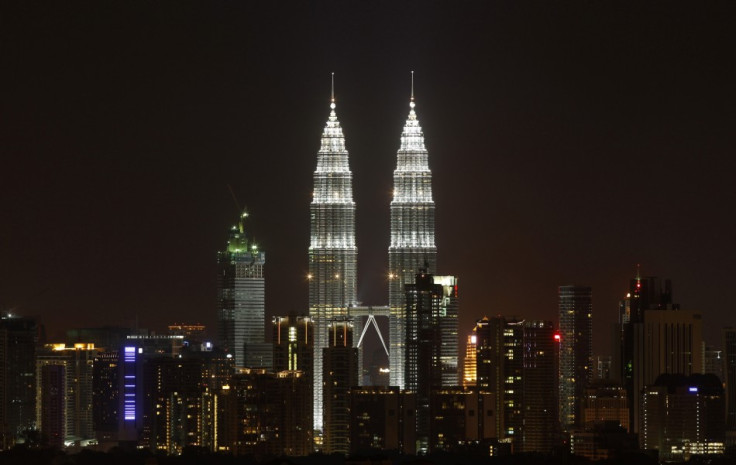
<point>333,253</point>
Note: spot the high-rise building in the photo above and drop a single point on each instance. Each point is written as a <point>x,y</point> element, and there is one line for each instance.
<point>605,402</point>
<point>517,362</point>
<point>602,367</point>
<point>241,300</point>
<point>490,366</point>
<point>540,430</point>
<point>470,371</point>
<point>713,361</point>
<point>412,234</point>
<point>682,416</point>
<point>462,420</point>
<point>340,375</point>
<point>576,350</point>
<point>332,250</point>
<point>430,302</point>
<point>653,337</point>
<point>293,344</point>
<point>266,414</point>
<point>106,395</point>
<point>729,373</point>
<point>64,379</point>
<point>18,338</point>
<point>382,419</point>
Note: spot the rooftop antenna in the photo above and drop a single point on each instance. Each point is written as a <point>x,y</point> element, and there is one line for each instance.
<point>412,86</point>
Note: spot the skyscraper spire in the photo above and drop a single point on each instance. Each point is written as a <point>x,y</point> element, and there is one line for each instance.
<point>412,86</point>
<point>332,250</point>
<point>412,232</point>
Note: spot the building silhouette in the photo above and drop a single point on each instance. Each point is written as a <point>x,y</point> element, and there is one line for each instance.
<point>462,420</point>
<point>340,375</point>
<point>332,250</point>
<point>430,301</point>
<point>106,395</point>
<point>266,414</point>
<point>576,350</point>
<point>540,429</point>
<point>683,416</point>
<point>18,339</point>
<point>517,362</point>
<point>382,418</point>
<point>654,336</point>
<point>729,373</point>
<point>412,243</point>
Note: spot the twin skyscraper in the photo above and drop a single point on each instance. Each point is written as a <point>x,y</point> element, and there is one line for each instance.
<point>333,253</point>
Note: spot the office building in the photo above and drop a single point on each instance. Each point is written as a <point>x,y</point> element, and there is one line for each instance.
<point>241,299</point>
<point>382,418</point>
<point>18,338</point>
<point>654,336</point>
<point>332,250</point>
<point>470,371</point>
<point>729,375</point>
<point>293,343</point>
<point>540,430</point>
<point>605,402</point>
<point>683,416</point>
<point>576,350</point>
<point>106,395</point>
<point>713,362</point>
<point>412,243</point>
<point>430,302</point>
<point>340,375</point>
<point>490,366</point>
<point>517,362</point>
<point>462,420</point>
<point>266,414</point>
<point>64,393</point>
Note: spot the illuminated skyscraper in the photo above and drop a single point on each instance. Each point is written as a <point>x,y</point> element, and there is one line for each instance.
<point>241,300</point>
<point>412,233</point>
<point>470,377</point>
<point>576,350</point>
<point>332,250</point>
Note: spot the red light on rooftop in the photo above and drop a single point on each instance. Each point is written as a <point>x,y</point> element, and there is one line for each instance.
<point>557,337</point>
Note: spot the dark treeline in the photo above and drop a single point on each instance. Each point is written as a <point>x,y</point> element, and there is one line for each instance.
<point>196,456</point>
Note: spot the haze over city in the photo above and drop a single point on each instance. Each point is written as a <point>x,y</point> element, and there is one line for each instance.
<point>568,143</point>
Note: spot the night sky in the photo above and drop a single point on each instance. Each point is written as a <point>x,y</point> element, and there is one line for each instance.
<point>568,142</point>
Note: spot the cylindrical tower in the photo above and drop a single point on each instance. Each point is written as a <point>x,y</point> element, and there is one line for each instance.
<point>412,234</point>
<point>332,250</point>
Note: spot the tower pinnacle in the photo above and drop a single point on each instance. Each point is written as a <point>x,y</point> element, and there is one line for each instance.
<point>332,98</point>
<point>411,104</point>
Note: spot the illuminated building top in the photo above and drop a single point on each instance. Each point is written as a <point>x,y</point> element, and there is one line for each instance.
<point>332,250</point>
<point>412,232</point>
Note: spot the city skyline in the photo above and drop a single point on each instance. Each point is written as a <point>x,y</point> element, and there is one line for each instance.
<point>551,165</point>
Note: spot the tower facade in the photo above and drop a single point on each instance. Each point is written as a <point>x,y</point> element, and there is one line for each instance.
<point>340,375</point>
<point>18,338</point>
<point>241,300</point>
<point>729,373</point>
<point>332,250</point>
<point>412,234</point>
<point>576,350</point>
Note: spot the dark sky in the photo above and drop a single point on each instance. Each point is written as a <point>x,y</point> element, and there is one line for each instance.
<point>568,141</point>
